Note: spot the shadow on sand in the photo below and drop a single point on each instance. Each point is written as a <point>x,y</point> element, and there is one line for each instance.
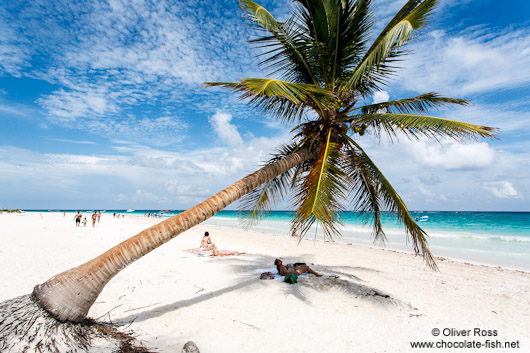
<point>245,268</point>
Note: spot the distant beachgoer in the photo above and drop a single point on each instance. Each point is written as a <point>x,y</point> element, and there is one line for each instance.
<point>99,215</point>
<point>207,244</point>
<point>84,222</point>
<point>294,234</point>
<point>94,217</point>
<point>77,218</point>
<point>64,213</point>
<point>297,268</point>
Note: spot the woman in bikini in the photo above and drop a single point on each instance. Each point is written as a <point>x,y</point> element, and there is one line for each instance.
<point>296,269</point>
<point>207,244</point>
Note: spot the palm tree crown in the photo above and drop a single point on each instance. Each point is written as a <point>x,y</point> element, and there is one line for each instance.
<point>327,68</point>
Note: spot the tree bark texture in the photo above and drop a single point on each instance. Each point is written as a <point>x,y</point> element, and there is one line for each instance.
<point>69,295</point>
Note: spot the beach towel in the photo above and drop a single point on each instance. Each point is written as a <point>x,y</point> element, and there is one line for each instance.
<point>209,252</point>
<point>277,276</point>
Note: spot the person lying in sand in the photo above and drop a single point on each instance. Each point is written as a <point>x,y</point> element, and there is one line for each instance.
<point>297,269</point>
<point>207,244</point>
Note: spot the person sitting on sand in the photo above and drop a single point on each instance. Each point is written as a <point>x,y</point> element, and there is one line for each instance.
<point>207,244</point>
<point>296,269</point>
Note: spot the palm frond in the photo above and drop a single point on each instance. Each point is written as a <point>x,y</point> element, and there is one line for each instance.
<point>286,100</point>
<point>331,35</point>
<point>412,16</point>
<point>422,103</point>
<point>414,126</point>
<point>319,194</point>
<point>389,198</point>
<point>260,15</point>
<point>288,43</point>
<point>258,203</point>
<point>364,192</point>
<point>353,29</point>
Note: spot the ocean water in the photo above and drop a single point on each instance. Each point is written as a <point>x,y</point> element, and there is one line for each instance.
<point>492,238</point>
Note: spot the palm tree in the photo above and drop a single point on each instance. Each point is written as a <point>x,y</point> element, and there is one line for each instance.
<point>327,68</point>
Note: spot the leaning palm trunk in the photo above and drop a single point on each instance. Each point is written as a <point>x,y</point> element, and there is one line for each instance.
<point>69,295</point>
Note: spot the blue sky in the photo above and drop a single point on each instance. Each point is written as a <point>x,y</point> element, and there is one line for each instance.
<point>102,104</point>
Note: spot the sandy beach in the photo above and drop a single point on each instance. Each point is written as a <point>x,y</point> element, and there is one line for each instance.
<point>369,300</point>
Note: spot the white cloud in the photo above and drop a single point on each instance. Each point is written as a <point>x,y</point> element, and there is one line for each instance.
<point>166,179</point>
<point>416,172</point>
<point>108,58</point>
<point>66,106</point>
<point>226,131</point>
<point>177,187</point>
<point>469,63</point>
<point>73,141</point>
<point>14,55</point>
<point>501,189</point>
<point>426,192</point>
<point>509,117</point>
<point>451,155</point>
<point>12,110</point>
<point>380,97</point>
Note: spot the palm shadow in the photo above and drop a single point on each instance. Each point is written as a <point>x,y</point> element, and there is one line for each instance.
<point>246,267</point>
<point>149,314</point>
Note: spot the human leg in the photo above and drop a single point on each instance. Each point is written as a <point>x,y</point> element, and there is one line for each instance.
<point>304,268</point>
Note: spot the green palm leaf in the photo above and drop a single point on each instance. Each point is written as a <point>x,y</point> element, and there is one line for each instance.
<point>260,15</point>
<point>337,33</point>
<point>414,126</point>
<point>318,195</point>
<point>389,198</point>
<point>286,40</point>
<point>351,38</point>
<point>364,192</point>
<point>421,103</point>
<point>284,99</point>
<point>412,16</point>
<point>258,203</point>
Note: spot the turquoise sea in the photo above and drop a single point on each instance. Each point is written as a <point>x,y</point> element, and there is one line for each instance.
<point>493,238</point>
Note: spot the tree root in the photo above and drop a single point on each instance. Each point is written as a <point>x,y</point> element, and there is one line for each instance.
<point>26,327</point>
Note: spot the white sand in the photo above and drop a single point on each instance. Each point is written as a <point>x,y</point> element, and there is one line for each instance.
<point>171,296</point>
